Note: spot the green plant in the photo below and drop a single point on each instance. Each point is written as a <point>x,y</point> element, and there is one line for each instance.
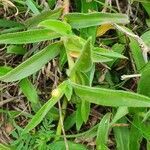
<point>90,77</point>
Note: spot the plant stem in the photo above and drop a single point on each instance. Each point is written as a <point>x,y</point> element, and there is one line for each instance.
<point>62,112</point>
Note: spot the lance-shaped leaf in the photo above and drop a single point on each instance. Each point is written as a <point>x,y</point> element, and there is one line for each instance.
<point>9,23</point>
<point>29,90</point>
<point>107,97</point>
<point>4,70</point>
<point>122,135</point>
<point>31,5</point>
<point>56,95</point>
<point>137,54</point>
<point>50,14</point>
<point>103,131</point>
<point>57,26</point>
<point>84,20</point>
<point>146,38</point>
<point>144,82</point>
<point>30,36</point>
<point>74,45</point>
<point>121,112</point>
<point>5,147</point>
<point>84,62</point>
<point>16,49</point>
<point>33,64</point>
<point>107,53</point>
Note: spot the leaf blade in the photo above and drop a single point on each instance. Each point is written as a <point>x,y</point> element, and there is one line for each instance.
<point>30,36</point>
<point>33,64</point>
<point>112,98</point>
<point>84,20</point>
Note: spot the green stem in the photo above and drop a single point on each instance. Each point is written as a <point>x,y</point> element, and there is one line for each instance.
<point>61,119</point>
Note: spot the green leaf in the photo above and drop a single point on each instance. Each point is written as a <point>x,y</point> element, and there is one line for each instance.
<point>148,22</point>
<point>69,91</point>
<point>98,58</point>
<point>117,48</point>
<point>75,44</point>
<point>84,20</point>
<point>108,53</point>
<point>85,110</point>
<point>16,49</point>
<point>4,147</point>
<point>146,38</point>
<point>13,29</point>
<point>30,36</point>
<point>102,133</point>
<point>60,27</point>
<point>122,136</point>
<point>84,62</point>
<point>4,70</point>
<point>60,145</point>
<point>146,6</point>
<point>31,5</point>
<point>56,95</point>
<point>144,82</point>
<point>90,31</point>
<point>33,64</point>
<point>109,97</point>
<point>135,135</point>
<point>137,54</point>
<point>70,121</point>
<point>142,127</point>
<point>121,112</point>
<point>50,14</point>
<point>79,120</point>
<point>29,91</point>
<point>9,23</point>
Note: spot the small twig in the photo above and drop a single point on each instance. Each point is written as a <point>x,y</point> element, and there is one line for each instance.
<point>7,101</point>
<point>107,3</point>
<point>7,4</point>
<point>118,6</point>
<point>120,125</point>
<point>124,77</point>
<point>66,5</point>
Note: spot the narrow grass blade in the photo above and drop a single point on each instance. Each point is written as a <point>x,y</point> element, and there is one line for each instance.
<point>9,23</point>
<point>137,54</point>
<point>102,133</point>
<point>122,135</point>
<point>135,135</point>
<point>79,120</point>
<point>31,5</point>
<point>29,91</point>
<point>85,110</point>
<point>121,112</point>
